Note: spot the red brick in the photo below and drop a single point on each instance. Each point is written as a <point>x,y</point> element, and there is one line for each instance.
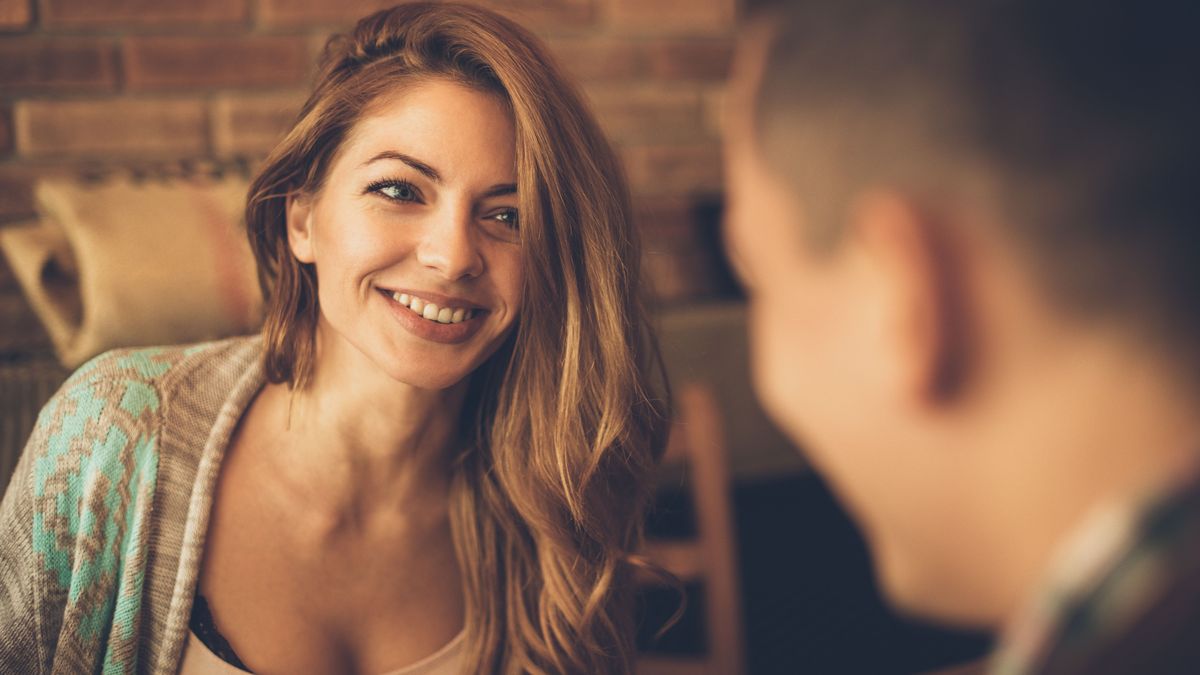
<point>696,58</point>
<point>598,59</point>
<point>673,169</point>
<point>546,15</point>
<point>659,16</point>
<point>16,195</point>
<point>38,64</point>
<point>643,114</point>
<point>142,12</point>
<point>714,109</point>
<point>6,139</point>
<point>533,13</point>
<point>670,250</point>
<point>676,276</point>
<point>15,14</point>
<point>22,329</point>
<point>252,124</point>
<point>320,12</point>
<point>664,219</point>
<point>166,62</point>
<point>110,127</point>
<point>680,259</point>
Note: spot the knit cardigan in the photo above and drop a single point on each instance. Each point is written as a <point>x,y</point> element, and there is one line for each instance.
<point>102,526</point>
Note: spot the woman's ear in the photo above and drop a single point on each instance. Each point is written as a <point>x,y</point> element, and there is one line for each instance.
<point>299,226</point>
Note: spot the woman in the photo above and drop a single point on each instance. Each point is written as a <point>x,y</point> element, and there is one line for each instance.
<point>436,456</point>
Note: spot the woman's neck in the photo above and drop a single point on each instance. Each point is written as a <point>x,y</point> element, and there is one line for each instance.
<point>362,442</point>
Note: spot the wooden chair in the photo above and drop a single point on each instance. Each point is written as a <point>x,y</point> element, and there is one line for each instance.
<point>698,443</point>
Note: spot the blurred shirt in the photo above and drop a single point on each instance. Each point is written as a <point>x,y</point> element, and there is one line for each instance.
<point>1123,595</point>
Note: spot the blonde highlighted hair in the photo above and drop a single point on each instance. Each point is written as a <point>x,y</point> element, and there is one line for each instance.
<point>564,422</point>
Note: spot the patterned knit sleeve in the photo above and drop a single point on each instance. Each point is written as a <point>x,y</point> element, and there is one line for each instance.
<point>20,643</point>
<point>73,531</point>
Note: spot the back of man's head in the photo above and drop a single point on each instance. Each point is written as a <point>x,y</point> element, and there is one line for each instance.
<point>1078,121</point>
<point>968,230</point>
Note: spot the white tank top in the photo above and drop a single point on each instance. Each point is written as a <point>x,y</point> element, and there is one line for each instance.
<point>198,659</point>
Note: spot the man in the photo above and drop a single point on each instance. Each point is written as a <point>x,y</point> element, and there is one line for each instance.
<point>968,232</point>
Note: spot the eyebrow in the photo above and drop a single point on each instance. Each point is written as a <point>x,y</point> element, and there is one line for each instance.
<point>426,170</point>
<point>498,190</point>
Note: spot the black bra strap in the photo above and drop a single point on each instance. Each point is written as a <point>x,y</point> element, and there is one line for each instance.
<point>205,628</point>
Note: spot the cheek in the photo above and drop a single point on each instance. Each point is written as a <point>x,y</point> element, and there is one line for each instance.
<point>801,372</point>
<point>780,358</point>
<point>350,248</point>
<point>504,278</point>
<point>506,266</point>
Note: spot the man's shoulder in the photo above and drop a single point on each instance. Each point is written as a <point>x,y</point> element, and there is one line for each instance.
<point>1144,616</point>
<point>1161,638</point>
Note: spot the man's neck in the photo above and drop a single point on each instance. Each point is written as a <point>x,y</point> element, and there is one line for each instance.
<point>1101,428</point>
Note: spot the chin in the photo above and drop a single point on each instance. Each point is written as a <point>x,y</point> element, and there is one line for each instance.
<point>913,587</point>
<point>424,378</point>
<point>901,587</point>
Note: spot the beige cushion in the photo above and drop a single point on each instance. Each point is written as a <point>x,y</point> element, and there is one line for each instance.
<point>120,263</point>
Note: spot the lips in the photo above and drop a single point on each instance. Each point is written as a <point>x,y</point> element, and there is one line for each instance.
<point>428,323</point>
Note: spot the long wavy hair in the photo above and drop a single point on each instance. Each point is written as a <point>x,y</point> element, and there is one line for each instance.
<point>567,421</point>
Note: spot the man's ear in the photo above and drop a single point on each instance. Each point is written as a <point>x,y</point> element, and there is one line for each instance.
<point>918,287</point>
<point>299,226</point>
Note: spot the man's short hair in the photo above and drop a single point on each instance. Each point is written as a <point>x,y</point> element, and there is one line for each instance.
<point>1077,118</point>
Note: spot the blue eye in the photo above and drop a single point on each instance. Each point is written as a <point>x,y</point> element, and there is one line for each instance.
<point>508,217</point>
<point>395,190</point>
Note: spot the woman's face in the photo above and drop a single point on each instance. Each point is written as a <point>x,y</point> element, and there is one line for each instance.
<point>414,234</point>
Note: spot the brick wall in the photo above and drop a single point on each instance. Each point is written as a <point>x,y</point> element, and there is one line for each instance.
<point>97,83</point>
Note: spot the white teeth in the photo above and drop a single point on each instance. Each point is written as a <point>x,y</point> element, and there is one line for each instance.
<point>431,311</point>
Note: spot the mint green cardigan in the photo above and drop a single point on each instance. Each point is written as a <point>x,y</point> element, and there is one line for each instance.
<point>102,526</point>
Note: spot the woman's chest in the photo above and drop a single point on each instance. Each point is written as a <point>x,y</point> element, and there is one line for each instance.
<point>294,594</point>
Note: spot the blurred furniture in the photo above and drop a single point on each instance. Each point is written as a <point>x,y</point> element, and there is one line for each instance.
<point>697,446</point>
<point>129,260</point>
<point>808,597</point>
<point>705,343</point>
<point>129,256</point>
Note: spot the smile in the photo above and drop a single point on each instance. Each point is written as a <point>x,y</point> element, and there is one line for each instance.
<point>430,311</point>
<point>435,318</point>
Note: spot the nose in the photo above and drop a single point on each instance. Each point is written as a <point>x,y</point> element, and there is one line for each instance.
<point>449,245</point>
